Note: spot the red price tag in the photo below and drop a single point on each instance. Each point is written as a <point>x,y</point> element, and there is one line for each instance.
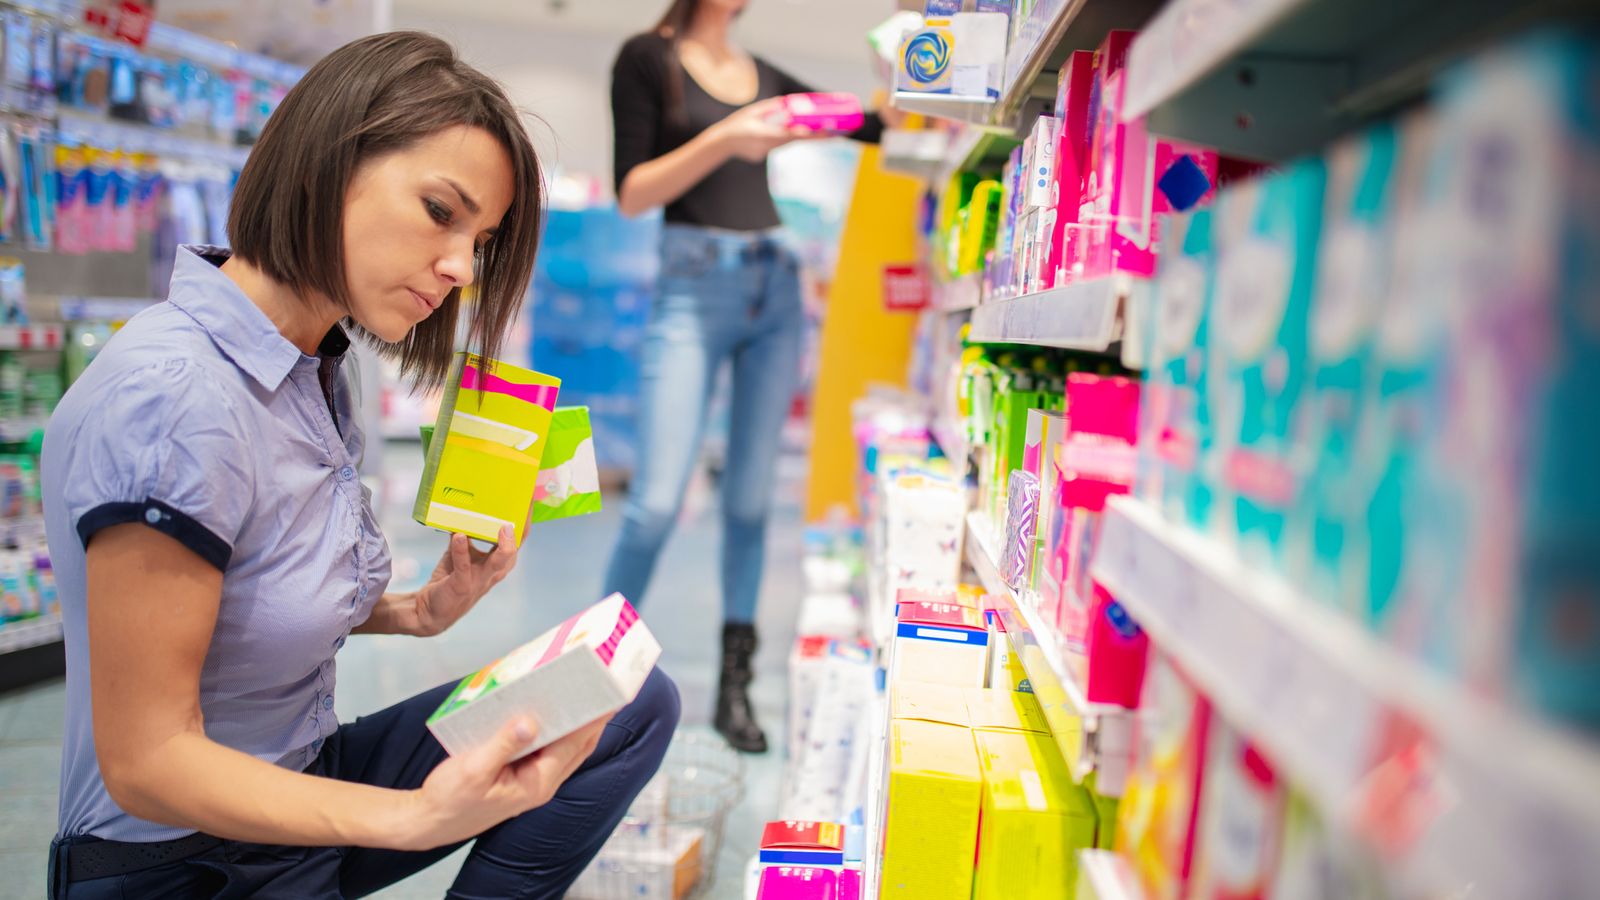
<point>905,288</point>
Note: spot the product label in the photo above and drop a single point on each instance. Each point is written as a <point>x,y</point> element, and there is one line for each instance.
<point>1252,296</point>
<point>1350,291</point>
<point>1182,301</point>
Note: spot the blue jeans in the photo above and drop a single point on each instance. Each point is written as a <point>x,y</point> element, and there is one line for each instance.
<point>537,854</point>
<point>724,298</point>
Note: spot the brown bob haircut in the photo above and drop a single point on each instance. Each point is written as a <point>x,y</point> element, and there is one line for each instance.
<point>371,97</point>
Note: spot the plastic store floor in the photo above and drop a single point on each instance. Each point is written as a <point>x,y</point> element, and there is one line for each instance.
<point>559,574</point>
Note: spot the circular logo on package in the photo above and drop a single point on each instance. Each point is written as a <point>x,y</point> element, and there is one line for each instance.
<point>927,56</point>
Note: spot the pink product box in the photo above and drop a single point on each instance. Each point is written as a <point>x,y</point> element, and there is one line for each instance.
<point>835,113</point>
<point>1071,164</point>
<point>1118,649</point>
<point>1132,178</point>
<point>798,883</point>
<point>1097,460</point>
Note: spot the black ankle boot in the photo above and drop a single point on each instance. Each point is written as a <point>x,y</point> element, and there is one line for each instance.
<point>735,720</point>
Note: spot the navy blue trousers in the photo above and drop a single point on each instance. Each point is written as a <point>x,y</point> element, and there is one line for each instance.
<point>537,854</point>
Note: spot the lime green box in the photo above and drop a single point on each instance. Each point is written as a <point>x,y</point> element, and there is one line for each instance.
<point>495,419</point>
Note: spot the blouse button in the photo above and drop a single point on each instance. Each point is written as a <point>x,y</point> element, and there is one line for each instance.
<point>152,515</point>
<point>346,473</point>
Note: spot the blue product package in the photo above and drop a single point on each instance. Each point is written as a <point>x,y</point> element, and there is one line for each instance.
<point>1176,434</point>
<point>1266,266</point>
<point>941,7</point>
<point>1327,534</point>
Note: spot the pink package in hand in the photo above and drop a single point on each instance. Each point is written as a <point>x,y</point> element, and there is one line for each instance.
<point>836,113</point>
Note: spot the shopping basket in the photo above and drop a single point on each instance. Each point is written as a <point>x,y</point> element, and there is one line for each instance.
<point>667,846</point>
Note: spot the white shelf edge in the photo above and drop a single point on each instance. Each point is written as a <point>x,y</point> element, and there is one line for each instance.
<point>1322,693</point>
<point>1021,618</point>
<point>22,635</point>
<point>1108,875</point>
<point>1017,88</point>
<point>970,110</point>
<point>1079,316</point>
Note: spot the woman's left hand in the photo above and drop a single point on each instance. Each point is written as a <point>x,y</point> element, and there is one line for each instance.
<point>463,576</point>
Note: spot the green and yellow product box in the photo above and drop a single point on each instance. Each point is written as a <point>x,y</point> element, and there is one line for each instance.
<point>494,420</point>
<point>931,826</point>
<point>1034,819</point>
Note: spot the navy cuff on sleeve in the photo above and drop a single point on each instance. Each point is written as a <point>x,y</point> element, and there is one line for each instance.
<point>171,522</point>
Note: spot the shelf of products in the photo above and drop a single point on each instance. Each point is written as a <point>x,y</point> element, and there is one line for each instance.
<point>1269,79</point>
<point>26,633</point>
<point>975,148</point>
<point>1080,316</point>
<point>74,129</point>
<point>1329,702</point>
<point>1051,32</point>
<point>1075,721</point>
<point>31,337</point>
<point>959,295</point>
<point>102,309</point>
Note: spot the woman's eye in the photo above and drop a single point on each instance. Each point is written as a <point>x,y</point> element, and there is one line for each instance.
<point>438,211</point>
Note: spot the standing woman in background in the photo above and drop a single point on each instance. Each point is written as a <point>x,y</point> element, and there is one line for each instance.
<point>693,117</point>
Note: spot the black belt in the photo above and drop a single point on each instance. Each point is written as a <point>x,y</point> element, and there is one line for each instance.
<point>88,859</point>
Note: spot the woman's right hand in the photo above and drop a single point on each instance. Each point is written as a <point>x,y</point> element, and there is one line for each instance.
<point>750,132</point>
<point>467,795</point>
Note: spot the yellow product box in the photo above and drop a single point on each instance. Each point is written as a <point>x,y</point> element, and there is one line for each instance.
<point>929,702</point>
<point>931,827</point>
<point>1004,710</point>
<point>1034,819</point>
<point>495,419</point>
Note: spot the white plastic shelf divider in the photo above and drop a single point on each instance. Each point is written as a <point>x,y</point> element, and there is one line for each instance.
<point>971,110</point>
<point>21,635</point>
<point>1079,316</point>
<point>1039,648</point>
<point>1495,800</point>
<point>31,337</point>
<point>1103,875</point>
<point>919,153</point>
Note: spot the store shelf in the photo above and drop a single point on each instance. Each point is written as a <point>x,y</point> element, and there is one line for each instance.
<point>1458,791</point>
<point>959,295</point>
<point>973,111</point>
<point>1274,78</point>
<point>1053,31</point>
<point>102,309</point>
<point>921,153</point>
<point>1080,316</point>
<point>1103,875</point>
<point>21,635</point>
<point>75,128</point>
<point>1059,690</point>
<point>31,337</point>
<point>974,149</point>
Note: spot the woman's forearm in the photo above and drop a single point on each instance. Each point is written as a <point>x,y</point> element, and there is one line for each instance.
<point>668,177</point>
<point>393,614</point>
<point>190,781</point>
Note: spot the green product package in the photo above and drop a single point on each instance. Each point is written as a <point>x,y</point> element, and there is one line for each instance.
<point>569,477</point>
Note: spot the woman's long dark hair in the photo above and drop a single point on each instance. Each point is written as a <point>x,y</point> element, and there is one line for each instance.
<point>674,22</point>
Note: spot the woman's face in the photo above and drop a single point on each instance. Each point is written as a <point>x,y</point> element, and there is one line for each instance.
<point>413,222</point>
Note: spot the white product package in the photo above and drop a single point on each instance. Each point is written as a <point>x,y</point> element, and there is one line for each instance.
<point>589,666</point>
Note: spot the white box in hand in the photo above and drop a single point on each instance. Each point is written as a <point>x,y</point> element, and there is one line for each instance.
<point>589,666</point>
